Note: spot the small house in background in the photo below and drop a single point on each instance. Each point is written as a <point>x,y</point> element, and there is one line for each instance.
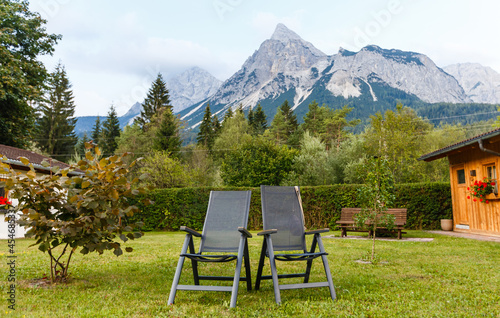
<point>13,154</point>
<point>473,160</point>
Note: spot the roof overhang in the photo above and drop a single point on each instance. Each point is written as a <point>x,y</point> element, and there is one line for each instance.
<point>492,136</point>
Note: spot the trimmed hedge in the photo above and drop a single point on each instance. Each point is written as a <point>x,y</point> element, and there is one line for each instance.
<point>427,204</point>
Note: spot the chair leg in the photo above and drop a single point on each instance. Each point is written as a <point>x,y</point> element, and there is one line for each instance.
<point>237,272</point>
<point>248,272</point>
<point>194,263</point>
<point>261,264</point>
<point>309,262</point>
<point>187,241</point>
<point>327,268</point>
<point>274,272</point>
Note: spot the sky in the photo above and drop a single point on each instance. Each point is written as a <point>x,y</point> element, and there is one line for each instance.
<point>113,49</point>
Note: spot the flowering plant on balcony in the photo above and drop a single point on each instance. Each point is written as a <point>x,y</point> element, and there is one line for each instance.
<point>480,189</point>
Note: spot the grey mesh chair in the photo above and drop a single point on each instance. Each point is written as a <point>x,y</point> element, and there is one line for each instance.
<point>283,220</point>
<point>224,232</point>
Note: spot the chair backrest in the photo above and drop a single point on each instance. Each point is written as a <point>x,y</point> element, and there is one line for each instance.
<point>282,210</point>
<point>227,210</point>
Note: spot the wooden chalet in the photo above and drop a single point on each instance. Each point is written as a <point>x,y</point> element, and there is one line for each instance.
<point>473,160</point>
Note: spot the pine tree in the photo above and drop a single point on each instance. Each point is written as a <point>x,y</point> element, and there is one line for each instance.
<point>206,134</point>
<point>284,124</point>
<point>216,125</point>
<point>167,136</point>
<point>259,122</point>
<point>110,132</point>
<point>229,114</point>
<point>290,117</point>
<point>55,128</point>
<point>96,131</point>
<point>250,118</point>
<point>156,99</point>
<point>80,145</point>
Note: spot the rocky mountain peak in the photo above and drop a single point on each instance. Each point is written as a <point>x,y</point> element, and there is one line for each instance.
<point>191,86</point>
<point>481,83</point>
<point>284,34</point>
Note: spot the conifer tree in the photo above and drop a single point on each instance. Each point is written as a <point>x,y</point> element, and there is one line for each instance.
<point>80,145</point>
<point>290,117</point>
<point>96,131</point>
<point>110,132</point>
<point>156,99</point>
<point>206,135</point>
<point>229,114</point>
<point>250,117</point>
<point>284,124</point>
<point>167,136</point>
<point>216,125</point>
<point>259,122</point>
<point>55,128</point>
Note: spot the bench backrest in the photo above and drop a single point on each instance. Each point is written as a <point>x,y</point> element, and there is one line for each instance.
<point>347,214</point>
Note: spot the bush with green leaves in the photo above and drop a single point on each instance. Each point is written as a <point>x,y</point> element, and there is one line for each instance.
<point>87,212</point>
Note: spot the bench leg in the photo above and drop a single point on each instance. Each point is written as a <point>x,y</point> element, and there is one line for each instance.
<point>344,232</point>
<point>400,235</point>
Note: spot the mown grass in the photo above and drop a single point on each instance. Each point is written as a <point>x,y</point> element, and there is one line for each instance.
<point>448,277</point>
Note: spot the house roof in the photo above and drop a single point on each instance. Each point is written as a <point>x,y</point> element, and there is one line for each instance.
<point>13,155</point>
<point>446,151</point>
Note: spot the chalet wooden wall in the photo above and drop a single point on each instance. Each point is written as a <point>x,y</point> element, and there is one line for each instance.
<point>479,217</point>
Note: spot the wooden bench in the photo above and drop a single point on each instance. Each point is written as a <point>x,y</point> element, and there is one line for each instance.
<point>348,223</point>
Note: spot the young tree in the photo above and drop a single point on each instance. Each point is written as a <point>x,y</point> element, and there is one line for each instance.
<point>167,136</point>
<point>206,135</point>
<point>55,128</point>
<point>110,132</point>
<point>23,38</point>
<point>96,131</point>
<point>284,124</point>
<point>88,212</point>
<point>156,99</point>
<point>233,134</point>
<point>80,145</point>
<point>216,125</point>
<point>313,120</point>
<point>375,196</point>
<point>257,121</point>
<point>229,114</point>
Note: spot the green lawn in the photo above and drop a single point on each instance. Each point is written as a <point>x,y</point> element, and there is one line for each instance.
<point>448,277</point>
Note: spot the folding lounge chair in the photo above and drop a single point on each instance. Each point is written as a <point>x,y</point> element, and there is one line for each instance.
<point>283,220</point>
<point>224,232</point>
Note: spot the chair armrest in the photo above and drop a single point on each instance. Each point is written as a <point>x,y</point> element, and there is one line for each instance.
<point>190,231</point>
<point>317,231</point>
<point>267,232</point>
<point>244,231</point>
